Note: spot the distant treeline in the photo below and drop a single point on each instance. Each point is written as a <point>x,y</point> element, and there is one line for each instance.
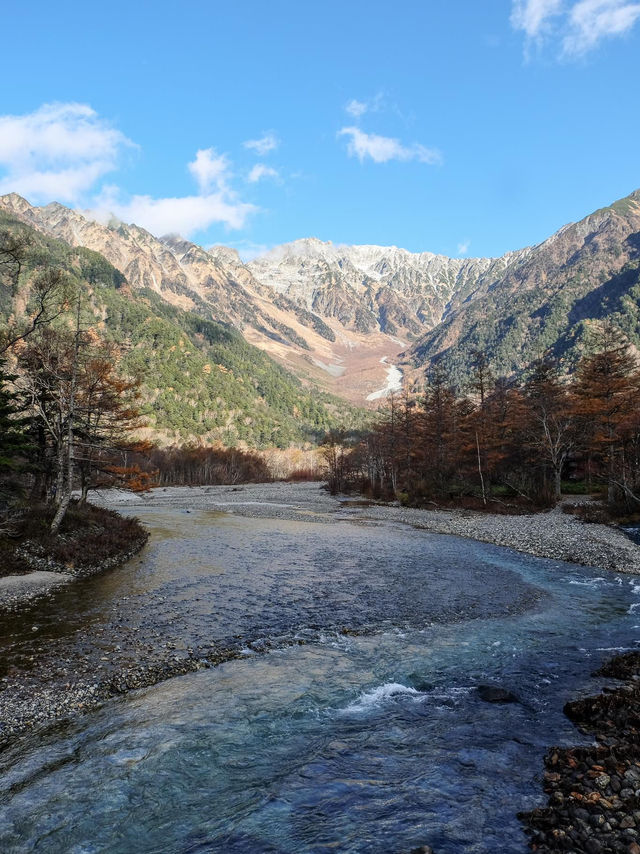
<point>505,437</point>
<point>198,466</point>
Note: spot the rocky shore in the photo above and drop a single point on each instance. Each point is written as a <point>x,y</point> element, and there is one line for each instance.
<point>594,790</point>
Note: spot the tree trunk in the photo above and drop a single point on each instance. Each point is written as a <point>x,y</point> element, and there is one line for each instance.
<point>65,498</point>
<point>484,495</point>
<point>557,478</point>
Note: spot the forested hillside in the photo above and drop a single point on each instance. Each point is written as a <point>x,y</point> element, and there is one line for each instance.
<point>546,304</point>
<point>199,379</point>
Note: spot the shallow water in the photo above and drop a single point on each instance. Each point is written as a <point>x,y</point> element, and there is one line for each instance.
<point>370,737</point>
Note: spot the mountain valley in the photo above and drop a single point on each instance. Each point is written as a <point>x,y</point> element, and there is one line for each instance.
<point>344,318</point>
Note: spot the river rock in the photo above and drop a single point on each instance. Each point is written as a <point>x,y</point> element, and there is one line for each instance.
<point>496,694</point>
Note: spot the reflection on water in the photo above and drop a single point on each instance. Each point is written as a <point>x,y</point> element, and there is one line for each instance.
<point>366,742</point>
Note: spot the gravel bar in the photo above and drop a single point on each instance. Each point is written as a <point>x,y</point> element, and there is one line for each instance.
<point>554,535</point>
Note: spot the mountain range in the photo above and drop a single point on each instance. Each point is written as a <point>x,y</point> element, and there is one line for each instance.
<point>340,317</point>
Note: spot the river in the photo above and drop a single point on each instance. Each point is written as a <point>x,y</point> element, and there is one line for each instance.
<point>351,721</point>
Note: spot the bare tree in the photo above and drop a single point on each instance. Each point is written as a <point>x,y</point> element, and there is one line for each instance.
<point>47,301</point>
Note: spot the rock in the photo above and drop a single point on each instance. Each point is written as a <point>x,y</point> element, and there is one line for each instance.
<point>496,694</point>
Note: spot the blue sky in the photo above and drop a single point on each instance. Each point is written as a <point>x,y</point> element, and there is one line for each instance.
<point>464,128</point>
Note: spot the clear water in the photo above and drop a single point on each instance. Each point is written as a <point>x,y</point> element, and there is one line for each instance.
<point>368,742</point>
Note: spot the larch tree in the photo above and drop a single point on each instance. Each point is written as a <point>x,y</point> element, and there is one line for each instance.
<point>607,389</point>
<point>549,422</point>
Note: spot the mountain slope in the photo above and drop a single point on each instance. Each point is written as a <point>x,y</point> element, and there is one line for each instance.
<point>200,379</point>
<point>375,287</point>
<point>335,316</point>
<point>216,285</point>
<point>340,317</point>
<point>546,301</point>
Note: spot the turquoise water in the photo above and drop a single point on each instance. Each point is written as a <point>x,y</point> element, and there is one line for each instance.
<point>368,742</point>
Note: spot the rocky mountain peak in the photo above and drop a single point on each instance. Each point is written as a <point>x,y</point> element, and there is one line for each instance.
<point>15,203</point>
<point>225,255</point>
<point>314,304</point>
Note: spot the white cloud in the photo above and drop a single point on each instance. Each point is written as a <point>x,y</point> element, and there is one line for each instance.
<point>210,169</point>
<point>215,202</point>
<point>381,149</point>
<point>268,142</point>
<point>463,247</point>
<point>590,21</point>
<point>533,16</point>
<point>357,109</point>
<point>580,24</point>
<point>248,250</point>
<point>183,215</point>
<point>62,151</point>
<point>260,171</point>
<point>58,151</point>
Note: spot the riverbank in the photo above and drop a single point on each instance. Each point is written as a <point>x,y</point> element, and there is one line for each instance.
<point>594,791</point>
<point>91,540</point>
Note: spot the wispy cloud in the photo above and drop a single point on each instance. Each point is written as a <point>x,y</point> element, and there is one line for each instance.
<point>381,149</point>
<point>260,171</point>
<point>58,151</point>
<point>248,249</point>
<point>591,21</point>
<point>533,16</point>
<point>183,215</point>
<point>576,27</point>
<point>357,109</point>
<point>463,247</point>
<point>268,142</point>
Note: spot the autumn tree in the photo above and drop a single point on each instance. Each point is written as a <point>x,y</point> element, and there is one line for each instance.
<point>607,390</point>
<point>14,251</point>
<point>82,411</point>
<point>15,446</point>
<point>106,413</point>
<point>336,451</point>
<point>438,429</point>
<point>549,428</point>
<point>46,298</point>
<point>482,383</point>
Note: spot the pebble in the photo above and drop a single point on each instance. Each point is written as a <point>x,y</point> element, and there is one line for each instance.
<point>585,798</point>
